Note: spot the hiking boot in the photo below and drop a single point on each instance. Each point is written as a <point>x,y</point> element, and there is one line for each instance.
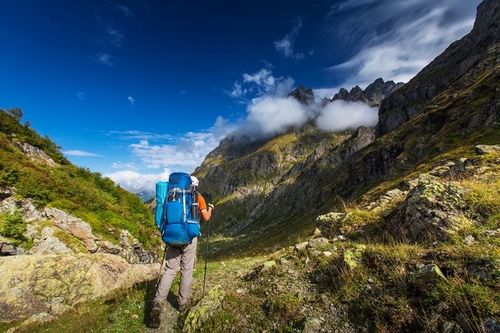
<point>154,316</point>
<point>183,308</point>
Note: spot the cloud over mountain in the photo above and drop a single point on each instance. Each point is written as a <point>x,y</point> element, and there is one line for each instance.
<point>341,115</point>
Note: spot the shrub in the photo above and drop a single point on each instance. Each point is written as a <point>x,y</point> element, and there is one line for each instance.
<point>13,227</point>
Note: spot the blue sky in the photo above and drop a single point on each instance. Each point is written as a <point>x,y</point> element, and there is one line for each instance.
<point>135,89</point>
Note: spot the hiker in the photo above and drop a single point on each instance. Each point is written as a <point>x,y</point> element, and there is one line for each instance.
<point>179,257</point>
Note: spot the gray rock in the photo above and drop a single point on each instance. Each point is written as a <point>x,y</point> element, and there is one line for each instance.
<point>428,274</point>
<point>317,241</point>
<point>73,225</point>
<point>7,249</point>
<point>312,325</point>
<point>36,154</point>
<point>301,246</point>
<point>491,325</point>
<point>487,149</point>
<point>47,243</point>
<point>303,95</point>
<point>431,211</point>
<point>469,240</point>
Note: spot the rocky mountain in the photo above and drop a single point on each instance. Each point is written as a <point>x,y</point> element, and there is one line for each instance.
<point>372,95</point>
<point>67,235</point>
<point>283,183</point>
<point>456,69</point>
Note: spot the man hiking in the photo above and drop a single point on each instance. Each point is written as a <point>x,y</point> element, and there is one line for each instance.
<point>180,257</point>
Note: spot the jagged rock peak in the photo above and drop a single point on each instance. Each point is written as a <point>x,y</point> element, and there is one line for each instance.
<point>303,95</point>
<point>372,95</point>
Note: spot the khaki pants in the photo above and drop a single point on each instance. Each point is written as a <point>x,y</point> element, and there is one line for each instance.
<point>182,258</point>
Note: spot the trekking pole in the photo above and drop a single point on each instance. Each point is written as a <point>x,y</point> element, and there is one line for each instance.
<point>206,255</point>
<point>161,267</point>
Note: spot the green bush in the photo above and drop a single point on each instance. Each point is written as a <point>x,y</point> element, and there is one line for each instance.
<point>13,226</point>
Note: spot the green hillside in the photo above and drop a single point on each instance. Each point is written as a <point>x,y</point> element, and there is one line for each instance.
<point>85,194</point>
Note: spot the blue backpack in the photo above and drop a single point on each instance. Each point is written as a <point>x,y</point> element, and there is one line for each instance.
<point>174,211</point>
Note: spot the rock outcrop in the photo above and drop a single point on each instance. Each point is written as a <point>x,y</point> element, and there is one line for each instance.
<point>433,210</point>
<point>73,225</point>
<point>52,284</point>
<point>35,153</point>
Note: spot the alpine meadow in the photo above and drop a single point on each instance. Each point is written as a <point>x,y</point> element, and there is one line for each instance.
<point>327,166</point>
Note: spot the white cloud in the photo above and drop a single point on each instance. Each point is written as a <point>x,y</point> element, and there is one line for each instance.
<point>131,100</point>
<point>237,91</point>
<point>184,152</point>
<point>80,95</point>
<point>286,45</point>
<point>122,165</point>
<point>80,153</point>
<point>270,115</point>
<point>321,93</point>
<point>140,135</point>
<point>398,38</point>
<point>115,36</point>
<point>261,83</point>
<point>124,10</point>
<point>136,182</point>
<point>104,59</point>
<point>341,115</point>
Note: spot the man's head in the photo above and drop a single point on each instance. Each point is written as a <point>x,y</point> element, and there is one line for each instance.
<point>194,181</point>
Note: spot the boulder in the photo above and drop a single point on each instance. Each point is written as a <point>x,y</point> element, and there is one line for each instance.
<point>312,325</point>
<point>52,284</point>
<point>300,246</point>
<point>10,204</point>
<point>428,274</point>
<point>314,242</point>
<point>332,224</point>
<point>7,249</point>
<point>432,211</point>
<point>487,149</point>
<point>203,310</point>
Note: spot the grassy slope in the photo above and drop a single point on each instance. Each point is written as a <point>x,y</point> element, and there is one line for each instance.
<point>79,191</point>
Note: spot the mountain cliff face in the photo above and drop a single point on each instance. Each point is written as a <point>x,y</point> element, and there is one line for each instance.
<point>456,69</point>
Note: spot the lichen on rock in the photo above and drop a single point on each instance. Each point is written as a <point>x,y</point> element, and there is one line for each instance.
<point>433,210</point>
<point>204,309</point>
<point>33,284</point>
